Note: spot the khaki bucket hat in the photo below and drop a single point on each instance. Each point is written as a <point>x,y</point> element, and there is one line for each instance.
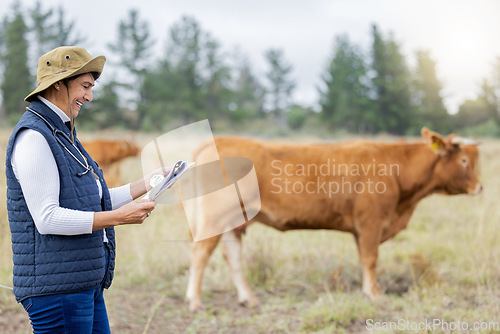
<point>64,62</point>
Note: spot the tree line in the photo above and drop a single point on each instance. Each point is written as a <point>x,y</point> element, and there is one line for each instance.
<point>362,92</point>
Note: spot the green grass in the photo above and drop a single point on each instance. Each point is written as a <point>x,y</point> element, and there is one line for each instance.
<point>339,309</point>
<point>443,266</point>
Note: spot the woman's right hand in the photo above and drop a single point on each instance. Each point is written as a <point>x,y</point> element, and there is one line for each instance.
<point>132,213</point>
<point>135,212</point>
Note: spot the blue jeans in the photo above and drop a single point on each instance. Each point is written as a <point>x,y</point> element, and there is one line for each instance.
<point>77,312</point>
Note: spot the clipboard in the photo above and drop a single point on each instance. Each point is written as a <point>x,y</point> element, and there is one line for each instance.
<point>161,183</point>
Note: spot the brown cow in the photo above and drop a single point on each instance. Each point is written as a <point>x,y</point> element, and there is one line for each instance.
<point>369,189</point>
<point>108,154</point>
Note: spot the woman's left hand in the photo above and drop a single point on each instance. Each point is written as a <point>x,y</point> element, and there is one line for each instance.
<point>163,171</point>
<point>142,186</point>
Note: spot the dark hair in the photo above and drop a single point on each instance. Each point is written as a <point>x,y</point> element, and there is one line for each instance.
<point>67,80</point>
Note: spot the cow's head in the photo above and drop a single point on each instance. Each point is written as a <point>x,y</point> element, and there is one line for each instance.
<point>455,171</point>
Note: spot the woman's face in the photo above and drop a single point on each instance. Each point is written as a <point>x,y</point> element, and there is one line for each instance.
<point>80,92</point>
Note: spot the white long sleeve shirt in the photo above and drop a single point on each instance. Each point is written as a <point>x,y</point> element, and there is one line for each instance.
<point>31,154</point>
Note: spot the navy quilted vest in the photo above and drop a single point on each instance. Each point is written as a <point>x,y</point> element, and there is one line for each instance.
<point>50,264</point>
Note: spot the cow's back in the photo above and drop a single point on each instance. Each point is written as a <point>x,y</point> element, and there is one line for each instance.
<point>297,183</point>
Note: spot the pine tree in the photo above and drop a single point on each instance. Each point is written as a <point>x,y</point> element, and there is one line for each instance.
<point>345,99</point>
<point>17,81</point>
<point>280,86</point>
<point>431,111</point>
<point>391,83</point>
<point>216,78</point>
<point>65,33</point>
<point>2,52</point>
<point>491,100</point>
<point>48,29</point>
<point>491,92</point>
<point>174,90</point>
<point>247,96</point>
<point>133,48</point>
<point>134,44</point>
<point>43,30</point>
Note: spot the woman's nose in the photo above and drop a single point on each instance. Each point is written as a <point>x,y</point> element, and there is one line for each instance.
<point>89,96</point>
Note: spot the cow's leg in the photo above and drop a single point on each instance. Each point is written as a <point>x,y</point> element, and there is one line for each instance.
<point>201,252</point>
<point>368,252</point>
<point>231,249</point>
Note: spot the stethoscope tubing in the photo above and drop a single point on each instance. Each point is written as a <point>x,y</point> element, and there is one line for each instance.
<point>57,132</point>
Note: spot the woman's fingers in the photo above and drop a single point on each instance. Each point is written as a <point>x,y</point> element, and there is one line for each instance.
<point>136,212</point>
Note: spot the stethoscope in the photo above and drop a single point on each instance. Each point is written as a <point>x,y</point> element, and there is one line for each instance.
<point>57,132</point>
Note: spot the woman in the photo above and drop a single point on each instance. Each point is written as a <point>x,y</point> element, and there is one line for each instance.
<point>61,213</point>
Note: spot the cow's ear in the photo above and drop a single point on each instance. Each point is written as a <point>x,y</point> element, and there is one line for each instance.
<point>435,141</point>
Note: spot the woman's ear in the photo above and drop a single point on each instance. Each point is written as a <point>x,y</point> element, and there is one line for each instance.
<point>57,85</point>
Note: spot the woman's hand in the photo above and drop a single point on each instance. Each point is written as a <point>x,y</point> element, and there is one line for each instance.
<point>141,186</point>
<point>135,212</point>
<point>160,171</point>
<point>132,213</point>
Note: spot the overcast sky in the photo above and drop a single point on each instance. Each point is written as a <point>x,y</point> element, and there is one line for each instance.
<point>462,36</point>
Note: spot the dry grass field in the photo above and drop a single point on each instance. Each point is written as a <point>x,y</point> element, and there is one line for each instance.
<point>443,267</point>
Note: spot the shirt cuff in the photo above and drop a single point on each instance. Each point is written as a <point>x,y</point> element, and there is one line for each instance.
<point>120,196</point>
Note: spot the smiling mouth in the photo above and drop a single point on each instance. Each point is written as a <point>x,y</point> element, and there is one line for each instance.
<point>79,104</point>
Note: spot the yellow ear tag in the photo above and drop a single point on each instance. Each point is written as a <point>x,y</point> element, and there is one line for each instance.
<point>435,146</point>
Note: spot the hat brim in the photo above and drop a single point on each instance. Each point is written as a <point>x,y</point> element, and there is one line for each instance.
<point>95,64</point>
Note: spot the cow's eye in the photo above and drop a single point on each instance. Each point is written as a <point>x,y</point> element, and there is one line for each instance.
<point>465,161</point>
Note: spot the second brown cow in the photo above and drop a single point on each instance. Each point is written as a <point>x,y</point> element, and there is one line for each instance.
<point>108,154</point>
